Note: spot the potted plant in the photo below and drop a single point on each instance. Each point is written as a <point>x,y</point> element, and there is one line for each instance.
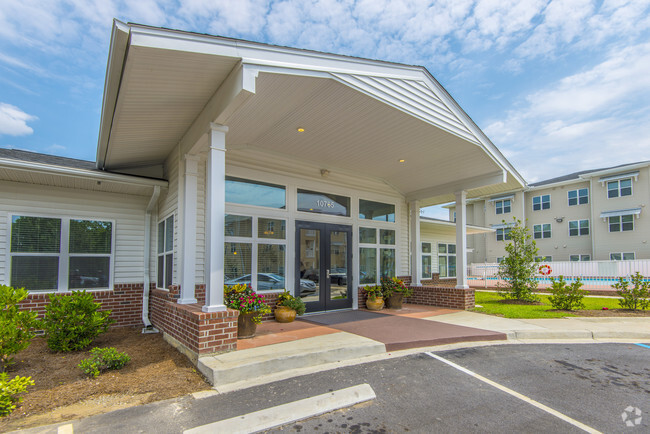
<point>375,299</point>
<point>288,307</point>
<point>250,305</point>
<point>394,291</point>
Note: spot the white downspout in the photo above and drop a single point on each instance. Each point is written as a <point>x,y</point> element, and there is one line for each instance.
<point>148,328</point>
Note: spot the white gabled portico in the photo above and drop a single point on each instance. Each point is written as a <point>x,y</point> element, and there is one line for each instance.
<point>364,130</point>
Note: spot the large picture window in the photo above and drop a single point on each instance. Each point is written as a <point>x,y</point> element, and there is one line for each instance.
<point>383,212</point>
<point>255,252</point>
<point>51,253</point>
<point>248,192</point>
<point>376,253</point>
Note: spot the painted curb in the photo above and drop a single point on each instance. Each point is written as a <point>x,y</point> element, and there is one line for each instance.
<point>289,413</point>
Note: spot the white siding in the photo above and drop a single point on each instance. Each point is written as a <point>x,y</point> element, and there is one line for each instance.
<point>126,210</point>
<point>168,205</point>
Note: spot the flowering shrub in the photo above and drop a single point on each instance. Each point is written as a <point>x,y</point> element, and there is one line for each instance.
<point>391,285</point>
<point>287,300</point>
<point>245,300</point>
<point>373,292</point>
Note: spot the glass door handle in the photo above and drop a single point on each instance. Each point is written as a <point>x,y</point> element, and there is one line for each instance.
<point>327,274</point>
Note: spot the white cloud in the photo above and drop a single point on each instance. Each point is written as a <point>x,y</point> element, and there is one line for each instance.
<point>13,121</point>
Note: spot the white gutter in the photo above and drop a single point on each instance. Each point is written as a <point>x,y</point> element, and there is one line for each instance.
<point>84,174</point>
<point>147,259</point>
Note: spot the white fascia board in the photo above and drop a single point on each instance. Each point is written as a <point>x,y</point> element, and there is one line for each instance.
<point>116,58</point>
<point>437,222</point>
<point>81,173</point>
<point>262,54</point>
<point>615,170</point>
<point>556,184</point>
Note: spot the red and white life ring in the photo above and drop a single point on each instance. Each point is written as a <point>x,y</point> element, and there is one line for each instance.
<point>545,270</point>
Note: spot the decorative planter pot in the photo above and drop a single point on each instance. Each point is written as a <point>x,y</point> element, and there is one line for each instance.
<point>395,301</point>
<point>284,314</point>
<point>245,325</point>
<point>376,304</point>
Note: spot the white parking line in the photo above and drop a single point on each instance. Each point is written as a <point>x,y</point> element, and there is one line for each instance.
<point>289,413</point>
<point>524,398</point>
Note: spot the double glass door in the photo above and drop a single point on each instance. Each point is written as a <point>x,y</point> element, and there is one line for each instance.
<point>324,265</point>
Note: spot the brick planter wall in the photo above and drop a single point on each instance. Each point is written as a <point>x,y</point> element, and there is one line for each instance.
<point>433,295</point>
<point>124,302</point>
<point>199,332</point>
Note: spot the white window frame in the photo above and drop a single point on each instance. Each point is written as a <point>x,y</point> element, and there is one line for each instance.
<point>427,255</point>
<point>166,252</point>
<point>579,234</point>
<point>502,206</point>
<point>255,241</point>
<point>447,255</point>
<point>620,223</point>
<point>578,196</point>
<point>378,246</point>
<point>618,187</point>
<point>504,233</point>
<point>64,254</point>
<point>579,257</point>
<point>622,254</point>
<point>542,202</point>
<point>541,231</point>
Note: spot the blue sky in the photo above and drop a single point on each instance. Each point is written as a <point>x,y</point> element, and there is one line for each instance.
<point>558,86</point>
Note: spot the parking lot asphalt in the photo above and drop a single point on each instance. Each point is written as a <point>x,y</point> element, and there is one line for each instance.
<point>588,386</point>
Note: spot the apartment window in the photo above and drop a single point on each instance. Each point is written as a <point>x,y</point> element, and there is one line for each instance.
<point>621,256</point>
<point>499,259</point>
<point>502,207</point>
<point>255,252</point>
<point>542,231</point>
<point>376,252</point>
<point>578,227</point>
<point>541,202</point>
<point>165,252</point>
<point>579,258</point>
<point>51,253</point>
<point>426,260</point>
<point>544,258</point>
<point>619,188</point>
<point>578,197</point>
<point>447,260</point>
<point>621,223</point>
<point>503,234</point>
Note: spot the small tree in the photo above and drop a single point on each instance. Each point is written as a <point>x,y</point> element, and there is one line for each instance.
<point>635,297</point>
<point>519,267</point>
<point>16,326</point>
<point>566,296</point>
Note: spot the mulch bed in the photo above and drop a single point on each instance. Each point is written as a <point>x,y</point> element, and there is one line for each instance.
<point>156,371</point>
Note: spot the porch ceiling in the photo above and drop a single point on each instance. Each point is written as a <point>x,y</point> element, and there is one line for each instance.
<point>162,91</point>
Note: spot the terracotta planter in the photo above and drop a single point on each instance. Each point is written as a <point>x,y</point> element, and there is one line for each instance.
<point>284,314</point>
<point>245,325</point>
<point>376,304</point>
<point>395,301</point>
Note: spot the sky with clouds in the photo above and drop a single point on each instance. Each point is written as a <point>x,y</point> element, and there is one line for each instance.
<point>558,85</point>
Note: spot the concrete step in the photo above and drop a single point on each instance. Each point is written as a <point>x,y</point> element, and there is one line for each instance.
<point>238,366</point>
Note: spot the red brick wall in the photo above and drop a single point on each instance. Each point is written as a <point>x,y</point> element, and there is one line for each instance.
<point>124,302</point>
<point>200,332</point>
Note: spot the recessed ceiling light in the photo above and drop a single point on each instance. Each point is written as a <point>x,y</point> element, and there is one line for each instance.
<point>301,130</point>
<point>401,161</point>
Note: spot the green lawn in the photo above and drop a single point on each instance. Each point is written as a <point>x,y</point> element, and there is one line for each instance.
<point>490,302</point>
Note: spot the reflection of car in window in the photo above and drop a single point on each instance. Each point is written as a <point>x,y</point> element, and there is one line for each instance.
<point>339,276</point>
<point>270,281</point>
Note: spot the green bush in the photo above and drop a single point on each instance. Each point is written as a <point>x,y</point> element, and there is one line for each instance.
<point>72,322</point>
<point>16,326</point>
<point>103,359</point>
<point>9,390</point>
<point>635,297</point>
<point>566,296</point>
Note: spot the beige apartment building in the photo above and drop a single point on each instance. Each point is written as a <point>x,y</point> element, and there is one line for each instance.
<point>589,215</point>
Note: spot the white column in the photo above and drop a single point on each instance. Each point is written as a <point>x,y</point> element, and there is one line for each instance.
<point>416,255</point>
<point>188,251</point>
<point>215,216</point>
<point>461,240</point>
